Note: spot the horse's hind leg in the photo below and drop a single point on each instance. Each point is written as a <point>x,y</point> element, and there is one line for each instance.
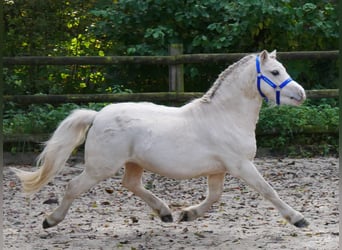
<point>215,188</point>
<point>76,187</point>
<point>252,177</point>
<point>132,181</point>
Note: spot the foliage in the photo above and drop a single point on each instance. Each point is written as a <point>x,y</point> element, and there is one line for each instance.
<point>148,27</point>
<point>127,27</point>
<point>60,29</point>
<point>37,119</point>
<point>298,126</point>
<point>240,26</point>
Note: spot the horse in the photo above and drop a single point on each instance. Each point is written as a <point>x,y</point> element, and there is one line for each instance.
<point>210,136</point>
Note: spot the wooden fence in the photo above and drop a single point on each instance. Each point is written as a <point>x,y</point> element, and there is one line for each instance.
<point>176,79</point>
<point>168,60</point>
<point>175,61</point>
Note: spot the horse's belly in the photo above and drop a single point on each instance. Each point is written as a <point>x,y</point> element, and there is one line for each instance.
<point>184,172</point>
<point>181,162</point>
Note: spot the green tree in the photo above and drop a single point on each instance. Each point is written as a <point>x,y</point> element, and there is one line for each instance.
<point>127,27</point>
<point>148,27</point>
<point>51,28</point>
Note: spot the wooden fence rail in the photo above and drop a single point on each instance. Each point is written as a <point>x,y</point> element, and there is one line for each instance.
<point>176,79</point>
<point>168,60</point>
<point>159,97</point>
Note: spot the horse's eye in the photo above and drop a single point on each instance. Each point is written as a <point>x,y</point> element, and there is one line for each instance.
<point>275,72</point>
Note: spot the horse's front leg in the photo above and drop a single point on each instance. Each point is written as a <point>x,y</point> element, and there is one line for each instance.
<point>132,181</point>
<point>248,172</point>
<point>215,188</point>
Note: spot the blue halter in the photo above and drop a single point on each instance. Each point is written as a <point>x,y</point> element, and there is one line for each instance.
<point>269,82</point>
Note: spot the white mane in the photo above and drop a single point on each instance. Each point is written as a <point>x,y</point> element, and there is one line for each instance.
<point>206,98</point>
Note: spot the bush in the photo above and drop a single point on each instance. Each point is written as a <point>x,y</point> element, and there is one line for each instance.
<point>290,130</point>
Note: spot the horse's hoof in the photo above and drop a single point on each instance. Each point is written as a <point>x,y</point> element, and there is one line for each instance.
<point>188,215</point>
<point>166,218</point>
<point>184,216</point>
<point>46,224</point>
<point>301,223</point>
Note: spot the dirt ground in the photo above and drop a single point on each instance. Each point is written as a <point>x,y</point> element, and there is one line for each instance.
<point>110,217</point>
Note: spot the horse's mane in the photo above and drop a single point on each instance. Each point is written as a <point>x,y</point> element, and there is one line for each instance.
<point>211,92</point>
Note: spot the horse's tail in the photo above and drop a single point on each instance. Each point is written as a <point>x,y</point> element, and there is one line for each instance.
<point>70,133</point>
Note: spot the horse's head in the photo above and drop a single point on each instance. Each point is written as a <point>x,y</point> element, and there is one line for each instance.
<point>274,83</point>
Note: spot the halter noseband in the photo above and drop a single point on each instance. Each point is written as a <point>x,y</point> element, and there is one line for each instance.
<point>277,88</point>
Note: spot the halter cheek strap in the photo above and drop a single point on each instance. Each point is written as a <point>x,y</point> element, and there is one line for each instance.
<point>277,88</point>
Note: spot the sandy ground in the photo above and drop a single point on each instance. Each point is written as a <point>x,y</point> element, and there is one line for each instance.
<point>110,217</point>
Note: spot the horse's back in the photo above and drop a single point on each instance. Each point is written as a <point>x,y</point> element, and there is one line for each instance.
<point>126,116</point>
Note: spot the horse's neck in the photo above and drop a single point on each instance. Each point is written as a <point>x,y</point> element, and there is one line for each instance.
<point>235,101</point>
<point>238,110</point>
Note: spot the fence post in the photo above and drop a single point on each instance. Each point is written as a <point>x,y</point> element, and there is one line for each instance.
<point>176,71</point>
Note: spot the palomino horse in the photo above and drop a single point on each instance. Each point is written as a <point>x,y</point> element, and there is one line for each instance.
<point>210,136</point>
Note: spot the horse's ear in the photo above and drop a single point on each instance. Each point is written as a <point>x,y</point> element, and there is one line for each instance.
<point>263,56</point>
<point>273,54</point>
